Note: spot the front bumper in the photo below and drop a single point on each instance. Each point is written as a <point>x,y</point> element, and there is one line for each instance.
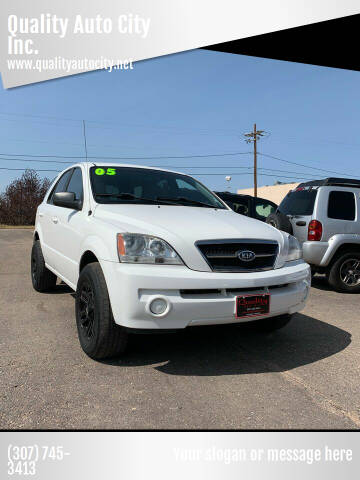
<point>132,288</point>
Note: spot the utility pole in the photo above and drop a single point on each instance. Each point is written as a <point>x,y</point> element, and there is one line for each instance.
<point>253,137</point>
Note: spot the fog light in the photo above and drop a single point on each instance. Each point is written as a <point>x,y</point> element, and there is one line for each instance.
<point>158,306</point>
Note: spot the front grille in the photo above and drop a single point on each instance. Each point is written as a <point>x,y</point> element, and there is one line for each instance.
<point>222,255</point>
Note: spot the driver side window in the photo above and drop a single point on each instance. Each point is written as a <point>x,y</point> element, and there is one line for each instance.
<point>60,185</point>
<point>76,184</point>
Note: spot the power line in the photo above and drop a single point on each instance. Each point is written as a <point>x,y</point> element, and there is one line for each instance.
<point>122,145</point>
<point>160,157</point>
<point>202,174</point>
<point>100,145</point>
<point>27,115</point>
<point>302,165</point>
<point>250,173</point>
<point>157,157</point>
<point>188,167</point>
<point>235,166</point>
<point>317,142</point>
<point>164,166</point>
<point>226,132</point>
<point>34,160</point>
<point>23,169</point>
<point>175,129</point>
<point>12,139</point>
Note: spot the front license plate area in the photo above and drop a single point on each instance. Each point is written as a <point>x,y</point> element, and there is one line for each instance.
<point>252,305</point>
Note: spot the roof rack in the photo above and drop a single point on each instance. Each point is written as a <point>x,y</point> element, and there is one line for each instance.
<point>332,181</point>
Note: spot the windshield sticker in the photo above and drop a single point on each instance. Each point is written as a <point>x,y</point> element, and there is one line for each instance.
<point>108,171</point>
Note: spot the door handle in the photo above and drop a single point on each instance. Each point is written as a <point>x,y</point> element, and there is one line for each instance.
<point>41,214</point>
<point>301,223</point>
<point>55,219</point>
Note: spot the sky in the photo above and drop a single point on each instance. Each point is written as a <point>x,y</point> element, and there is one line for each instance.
<point>193,103</point>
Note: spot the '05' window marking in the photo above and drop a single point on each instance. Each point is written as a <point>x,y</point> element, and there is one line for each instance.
<point>109,171</point>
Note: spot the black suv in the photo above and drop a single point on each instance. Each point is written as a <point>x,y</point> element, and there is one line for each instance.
<point>254,207</point>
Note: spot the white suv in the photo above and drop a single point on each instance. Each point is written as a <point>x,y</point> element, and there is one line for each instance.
<point>149,249</point>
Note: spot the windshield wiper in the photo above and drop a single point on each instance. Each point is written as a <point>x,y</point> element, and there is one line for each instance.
<point>180,200</point>
<point>157,200</point>
<point>130,196</point>
<point>125,196</point>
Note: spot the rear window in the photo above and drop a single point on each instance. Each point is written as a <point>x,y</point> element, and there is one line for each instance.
<point>298,202</point>
<point>341,205</point>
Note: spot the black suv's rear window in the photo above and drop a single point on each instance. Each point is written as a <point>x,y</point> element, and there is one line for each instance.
<point>298,202</point>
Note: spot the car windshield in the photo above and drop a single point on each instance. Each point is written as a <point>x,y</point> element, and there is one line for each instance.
<point>114,184</point>
<point>298,202</point>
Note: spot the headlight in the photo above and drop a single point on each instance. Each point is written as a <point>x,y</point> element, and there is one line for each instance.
<point>294,249</point>
<point>137,248</point>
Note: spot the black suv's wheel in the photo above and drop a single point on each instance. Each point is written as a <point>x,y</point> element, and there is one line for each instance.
<point>42,279</point>
<point>344,275</point>
<point>280,221</point>
<point>99,335</point>
<point>271,324</point>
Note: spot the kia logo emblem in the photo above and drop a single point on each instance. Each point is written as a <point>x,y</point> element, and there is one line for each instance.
<point>246,255</point>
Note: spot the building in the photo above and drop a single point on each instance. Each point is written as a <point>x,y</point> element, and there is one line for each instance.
<point>275,193</point>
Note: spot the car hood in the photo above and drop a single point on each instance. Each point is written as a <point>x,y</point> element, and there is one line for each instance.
<point>181,226</point>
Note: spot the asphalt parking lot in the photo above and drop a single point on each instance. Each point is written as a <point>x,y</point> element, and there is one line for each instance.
<point>305,376</point>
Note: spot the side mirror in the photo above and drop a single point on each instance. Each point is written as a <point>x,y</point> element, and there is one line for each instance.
<point>67,200</point>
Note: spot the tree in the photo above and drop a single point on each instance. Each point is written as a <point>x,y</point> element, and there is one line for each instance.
<point>21,198</point>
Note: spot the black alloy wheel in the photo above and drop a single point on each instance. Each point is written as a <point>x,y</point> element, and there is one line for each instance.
<point>344,273</point>
<point>350,272</point>
<point>100,337</point>
<point>33,267</point>
<point>87,310</point>
<point>42,279</point>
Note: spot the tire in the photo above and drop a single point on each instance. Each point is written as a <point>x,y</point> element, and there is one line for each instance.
<point>268,325</point>
<point>99,335</point>
<point>349,262</point>
<point>280,221</point>
<point>42,279</point>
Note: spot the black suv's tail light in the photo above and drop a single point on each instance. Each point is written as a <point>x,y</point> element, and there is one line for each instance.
<point>315,231</point>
